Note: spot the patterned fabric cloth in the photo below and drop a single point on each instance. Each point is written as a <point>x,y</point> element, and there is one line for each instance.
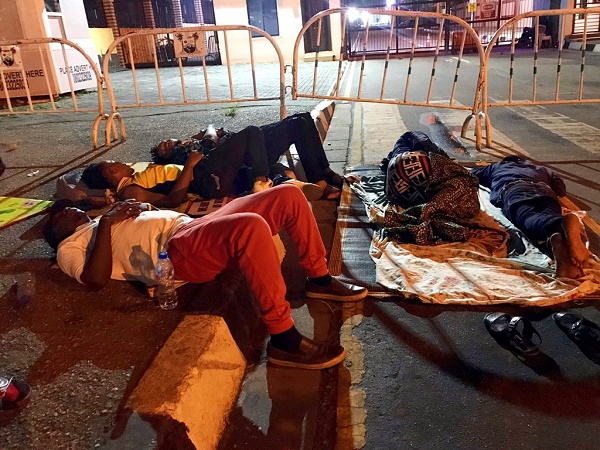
<point>459,272</point>
<point>449,213</point>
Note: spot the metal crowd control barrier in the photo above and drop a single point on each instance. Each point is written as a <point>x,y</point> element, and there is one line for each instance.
<point>144,86</point>
<point>545,86</point>
<point>401,72</point>
<point>24,72</point>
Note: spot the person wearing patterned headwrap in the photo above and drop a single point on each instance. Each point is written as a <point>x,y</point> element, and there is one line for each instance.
<point>432,198</point>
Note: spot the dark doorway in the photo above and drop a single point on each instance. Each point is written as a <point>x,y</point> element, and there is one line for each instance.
<point>310,8</point>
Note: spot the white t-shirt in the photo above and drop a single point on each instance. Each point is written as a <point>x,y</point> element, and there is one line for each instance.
<point>136,244</point>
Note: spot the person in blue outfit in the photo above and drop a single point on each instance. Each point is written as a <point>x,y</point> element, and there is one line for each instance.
<point>528,195</point>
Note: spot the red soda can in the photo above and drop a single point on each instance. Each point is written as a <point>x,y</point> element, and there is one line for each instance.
<point>8,391</point>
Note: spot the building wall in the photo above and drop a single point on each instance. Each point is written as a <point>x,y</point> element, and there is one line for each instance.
<point>29,20</point>
<point>21,20</point>
<point>234,12</point>
<point>102,38</point>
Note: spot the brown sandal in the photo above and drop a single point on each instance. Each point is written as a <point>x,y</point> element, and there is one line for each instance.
<point>331,193</point>
<point>334,179</point>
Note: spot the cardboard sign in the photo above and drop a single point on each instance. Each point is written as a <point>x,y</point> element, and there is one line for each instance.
<point>10,57</point>
<point>189,44</point>
<point>489,10</point>
<point>14,209</point>
<point>30,67</point>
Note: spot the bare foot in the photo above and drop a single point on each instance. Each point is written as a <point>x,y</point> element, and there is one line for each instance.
<point>564,265</point>
<point>576,239</point>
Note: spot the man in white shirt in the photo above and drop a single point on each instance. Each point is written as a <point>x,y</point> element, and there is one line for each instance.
<point>124,243</point>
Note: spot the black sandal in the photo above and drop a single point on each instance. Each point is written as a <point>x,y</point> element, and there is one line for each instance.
<point>513,333</point>
<point>583,332</point>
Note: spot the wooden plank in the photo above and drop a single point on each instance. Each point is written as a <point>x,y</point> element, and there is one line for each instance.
<point>141,47</point>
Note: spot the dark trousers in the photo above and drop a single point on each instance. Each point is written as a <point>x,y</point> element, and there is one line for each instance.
<point>219,174</point>
<point>300,130</point>
<point>538,219</point>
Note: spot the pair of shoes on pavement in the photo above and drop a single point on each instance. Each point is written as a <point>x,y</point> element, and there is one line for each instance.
<point>516,334</point>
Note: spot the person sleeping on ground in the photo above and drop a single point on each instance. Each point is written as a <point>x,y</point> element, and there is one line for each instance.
<point>238,235</point>
<point>432,198</point>
<point>227,170</point>
<point>298,129</point>
<point>528,194</point>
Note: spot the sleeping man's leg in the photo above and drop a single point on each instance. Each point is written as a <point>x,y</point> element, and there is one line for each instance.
<point>562,256</point>
<point>577,239</point>
<point>542,220</point>
<point>240,234</point>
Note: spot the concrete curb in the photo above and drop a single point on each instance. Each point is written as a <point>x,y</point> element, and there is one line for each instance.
<point>185,397</point>
<point>188,391</point>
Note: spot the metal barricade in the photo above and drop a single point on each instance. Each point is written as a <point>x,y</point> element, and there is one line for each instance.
<point>430,87</point>
<point>24,73</point>
<point>143,86</point>
<point>545,80</point>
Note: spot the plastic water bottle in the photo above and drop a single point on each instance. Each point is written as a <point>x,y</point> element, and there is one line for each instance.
<point>25,287</point>
<point>167,296</point>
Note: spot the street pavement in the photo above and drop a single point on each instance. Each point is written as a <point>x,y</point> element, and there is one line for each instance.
<point>430,376</point>
<point>84,352</point>
<point>420,376</point>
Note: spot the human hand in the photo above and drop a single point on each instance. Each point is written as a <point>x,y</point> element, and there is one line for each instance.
<point>351,179</point>
<point>127,209</point>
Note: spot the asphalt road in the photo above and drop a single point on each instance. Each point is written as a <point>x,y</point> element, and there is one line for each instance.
<point>83,352</point>
<point>429,376</point>
<point>432,377</point>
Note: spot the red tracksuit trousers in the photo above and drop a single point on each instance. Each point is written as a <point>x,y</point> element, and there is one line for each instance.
<point>240,235</point>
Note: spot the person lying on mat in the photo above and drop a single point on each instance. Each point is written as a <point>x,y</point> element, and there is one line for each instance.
<point>528,194</point>
<point>298,129</point>
<point>239,234</point>
<point>437,197</point>
<point>228,170</point>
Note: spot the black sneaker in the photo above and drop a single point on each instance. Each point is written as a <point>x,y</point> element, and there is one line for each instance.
<point>583,332</point>
<point>310,355</point>
<point>337,290</point>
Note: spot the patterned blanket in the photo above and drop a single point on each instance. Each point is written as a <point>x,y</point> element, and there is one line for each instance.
<point>467,272</point>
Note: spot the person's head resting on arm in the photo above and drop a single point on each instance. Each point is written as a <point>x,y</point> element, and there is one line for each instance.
<point>161,153</point>
<point>105,174</point>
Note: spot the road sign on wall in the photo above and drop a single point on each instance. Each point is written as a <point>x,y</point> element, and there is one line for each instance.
<point>488,10</point>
